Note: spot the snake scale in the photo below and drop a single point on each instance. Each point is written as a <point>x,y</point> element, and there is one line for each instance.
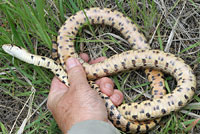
<point>131,117</point>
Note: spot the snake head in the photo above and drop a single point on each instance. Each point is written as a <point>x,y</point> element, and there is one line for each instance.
<point>16,51</point>
<point>8,48</point>
<point>13,50</point>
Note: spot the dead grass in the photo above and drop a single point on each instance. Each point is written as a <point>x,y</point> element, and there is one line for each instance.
<point>172,26</point>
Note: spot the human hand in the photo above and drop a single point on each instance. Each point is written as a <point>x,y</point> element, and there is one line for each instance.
<point>70,105</point>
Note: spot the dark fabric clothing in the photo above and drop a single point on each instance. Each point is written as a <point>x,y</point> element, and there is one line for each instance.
<point>93,127</point>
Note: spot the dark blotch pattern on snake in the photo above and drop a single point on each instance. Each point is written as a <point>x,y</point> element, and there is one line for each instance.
<point>132,117</point>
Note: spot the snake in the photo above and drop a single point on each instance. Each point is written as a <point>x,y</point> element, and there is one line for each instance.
<point>133,117</point>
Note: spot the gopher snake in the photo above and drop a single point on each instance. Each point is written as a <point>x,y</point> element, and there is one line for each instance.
<point>127,117</point>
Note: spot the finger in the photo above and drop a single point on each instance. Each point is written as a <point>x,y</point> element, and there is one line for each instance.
<point>117,97</point>
<point>57,85</point>
<point>84,56</point>
<point>75,72</point>
<point>106,85</point>
<point>56,92</point>
<point>97,60</point>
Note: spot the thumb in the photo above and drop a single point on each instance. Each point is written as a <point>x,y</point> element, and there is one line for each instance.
<point>75,72</point>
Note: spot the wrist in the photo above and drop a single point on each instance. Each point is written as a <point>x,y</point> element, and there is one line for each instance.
<point>67,123</point>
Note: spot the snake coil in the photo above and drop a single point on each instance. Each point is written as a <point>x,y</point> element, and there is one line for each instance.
<point>131,117</point>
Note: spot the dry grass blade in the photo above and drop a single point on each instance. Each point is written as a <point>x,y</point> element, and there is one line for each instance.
<point>173,25</point>
<point>190,113</point>
<point>30,101</point>
<point>192,125</point>
<point>171,36</point>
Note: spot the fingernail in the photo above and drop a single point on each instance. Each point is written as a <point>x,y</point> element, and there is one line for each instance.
<point>71,62</point>
<point>116,97</point>
<point>109,88</point>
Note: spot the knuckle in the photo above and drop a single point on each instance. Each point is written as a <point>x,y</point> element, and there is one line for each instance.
<point>76,69</point>
<point>107,80</point>
<point>82,86</point>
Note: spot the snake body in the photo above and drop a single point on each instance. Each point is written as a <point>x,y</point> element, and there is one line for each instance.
<point>127,117</point>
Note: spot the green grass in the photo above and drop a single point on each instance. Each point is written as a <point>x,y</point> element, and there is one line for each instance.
<point>33,25</point>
